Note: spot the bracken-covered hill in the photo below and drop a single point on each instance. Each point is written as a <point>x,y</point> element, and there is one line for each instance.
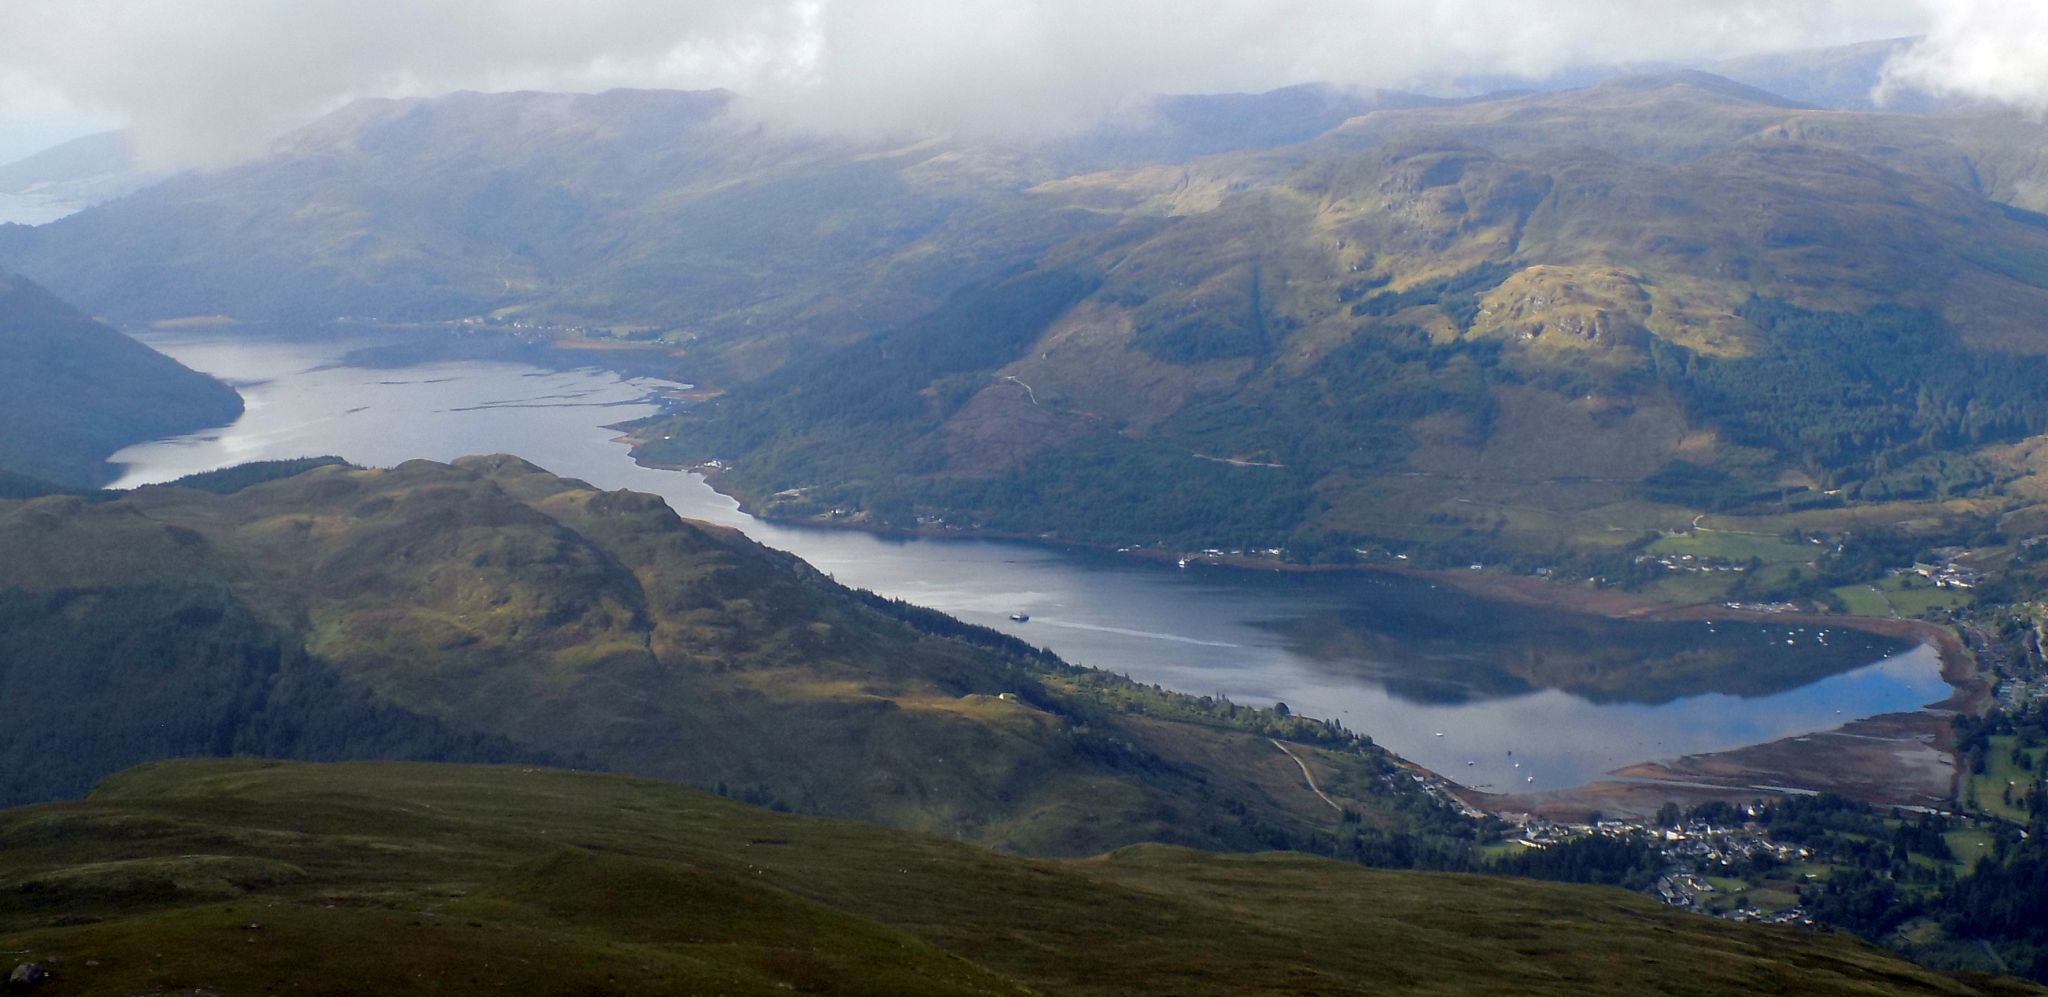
<point>489,611</point>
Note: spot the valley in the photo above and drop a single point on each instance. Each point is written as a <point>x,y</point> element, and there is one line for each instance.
<point>1395,656</point>
<point>1320,540</point>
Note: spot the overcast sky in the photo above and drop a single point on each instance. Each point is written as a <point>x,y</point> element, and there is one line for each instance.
<point>207,81</point>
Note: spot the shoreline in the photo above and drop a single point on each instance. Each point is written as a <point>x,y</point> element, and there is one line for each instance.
<point>1890,759</point>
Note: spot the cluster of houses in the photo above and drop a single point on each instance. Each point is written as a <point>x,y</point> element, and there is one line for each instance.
<point>1440,790</point>
<point>1764,607</point>
<point>2022,681</point>
<point>2018,692</point>
<point>1691,563</point>
<point>1943,571</point>
<point>1693,850</point>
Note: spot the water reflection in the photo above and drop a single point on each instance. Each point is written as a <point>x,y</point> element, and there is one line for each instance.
<point>1428,648</point>
<point>1438,677</point>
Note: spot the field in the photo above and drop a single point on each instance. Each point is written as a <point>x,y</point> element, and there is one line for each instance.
<point>1864,600</point>
<point>1912,595</point>
<point>1738,547</point>
<point>234,876</point>
<point>1777,557</point>
<point>2002,776</point>
<point>1968,844</point>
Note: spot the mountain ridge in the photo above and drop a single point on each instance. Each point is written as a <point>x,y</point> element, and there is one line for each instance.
<point>1417,297</point>
<point>487,610</point>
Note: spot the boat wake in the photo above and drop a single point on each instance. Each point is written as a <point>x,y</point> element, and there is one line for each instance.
<point>1146,634</point>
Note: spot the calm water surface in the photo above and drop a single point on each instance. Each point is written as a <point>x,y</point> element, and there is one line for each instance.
<point>1497,697</point>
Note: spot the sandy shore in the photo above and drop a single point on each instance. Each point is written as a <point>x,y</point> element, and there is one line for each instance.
<point>1897,759</point>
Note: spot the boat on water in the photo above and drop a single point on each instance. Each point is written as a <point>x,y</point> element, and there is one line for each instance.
<point>1021,617</point>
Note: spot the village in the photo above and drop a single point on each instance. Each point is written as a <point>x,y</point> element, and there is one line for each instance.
<point>1700,856</point>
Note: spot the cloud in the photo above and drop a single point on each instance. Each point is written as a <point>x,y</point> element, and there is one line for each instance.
<point>207,81</point>
<point>1010,64</point>
<point>211,80</point>
<point>1984,49</point>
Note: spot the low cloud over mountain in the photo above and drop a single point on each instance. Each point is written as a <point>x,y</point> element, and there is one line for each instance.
<point>210,81</point>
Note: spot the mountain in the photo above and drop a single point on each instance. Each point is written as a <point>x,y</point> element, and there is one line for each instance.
<point>489,611</point>
<point>648,213</point>
<point>1845,77</point>
<point>1175,128</point>
<point>67,178</point>
<point>73,391</point>
<point>235,876</point>
<point>1499,328</point>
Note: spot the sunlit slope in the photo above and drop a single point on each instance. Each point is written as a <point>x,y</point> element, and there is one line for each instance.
<point>73,391</point>
<point>489,611</point>
<point>235,876</point>
<point>1306,319</point>
<point>1559,318</point>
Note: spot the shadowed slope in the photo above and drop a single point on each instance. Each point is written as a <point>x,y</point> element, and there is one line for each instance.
<point>489,610</point>
<point>403,879</point>
<point>73,391</point>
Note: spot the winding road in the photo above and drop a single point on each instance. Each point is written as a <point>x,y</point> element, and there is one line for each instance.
<point>1318,790</point>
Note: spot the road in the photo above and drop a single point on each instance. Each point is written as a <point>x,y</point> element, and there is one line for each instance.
<point>1318,790</point>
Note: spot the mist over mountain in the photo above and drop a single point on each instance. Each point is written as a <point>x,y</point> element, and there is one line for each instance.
<point>1634,313</point>
<point>1338,291</point>
<point>68,178</point>
<point>213,82</point>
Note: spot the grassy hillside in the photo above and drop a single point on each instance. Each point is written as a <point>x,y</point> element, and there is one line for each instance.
<point>238,876</point>
<point>491,611</point>
<point>73,391</point>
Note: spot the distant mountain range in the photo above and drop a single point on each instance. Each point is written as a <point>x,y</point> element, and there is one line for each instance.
<point>1845,77</point>
<point>1309,319</point>
<point>68,178</point>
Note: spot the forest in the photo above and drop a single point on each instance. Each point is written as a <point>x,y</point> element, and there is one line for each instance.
<point>1863,401</point>
<point>201,676</point>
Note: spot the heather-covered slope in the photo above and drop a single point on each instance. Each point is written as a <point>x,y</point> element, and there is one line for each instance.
<point>242,876</point>
<point>491,611</point>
